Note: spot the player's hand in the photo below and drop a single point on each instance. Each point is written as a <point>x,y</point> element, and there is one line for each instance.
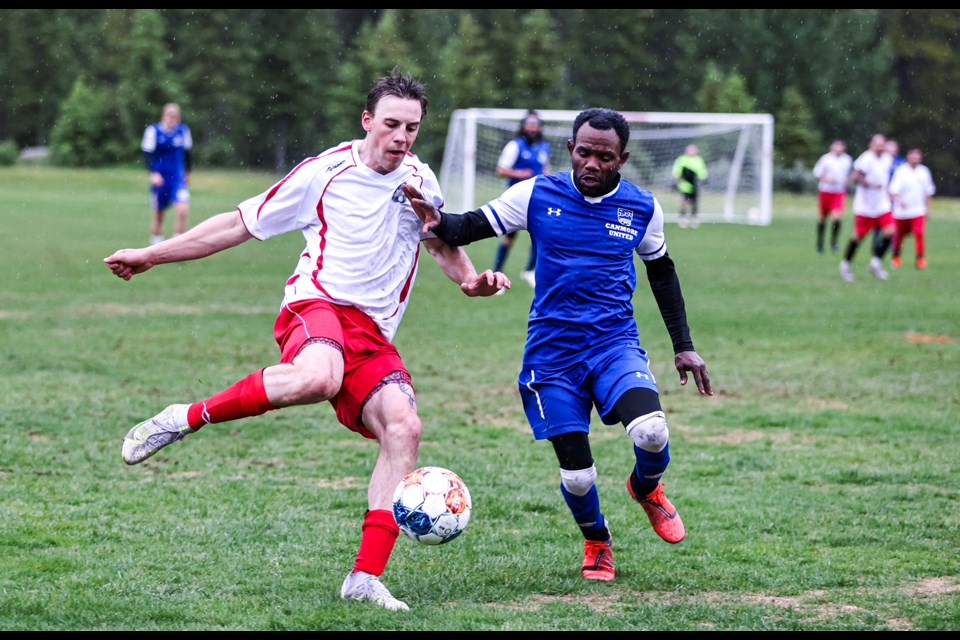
<point>427,213</point>
<point>127,263</point>
<point>486,284</point>
<point>156,179</point>
<point>690,361</point>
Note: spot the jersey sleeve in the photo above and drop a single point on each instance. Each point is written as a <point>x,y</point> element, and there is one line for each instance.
<point>509,155</point>
<point>929,188</point>
<point>818,168</point>
<point>286,206</point>
<point>149,141</point>
<point>509,211</point>
<point>187,138</point>
<point>654,244</point>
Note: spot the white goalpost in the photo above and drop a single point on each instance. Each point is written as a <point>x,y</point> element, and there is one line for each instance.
<point>737,149</point>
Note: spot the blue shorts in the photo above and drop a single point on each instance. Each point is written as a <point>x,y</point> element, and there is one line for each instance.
<point>561,400</point>
<point>174,189</point>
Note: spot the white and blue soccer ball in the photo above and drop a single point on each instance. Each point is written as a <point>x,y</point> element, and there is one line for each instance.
<point>432,505</point>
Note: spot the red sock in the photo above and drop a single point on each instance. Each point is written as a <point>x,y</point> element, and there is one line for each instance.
<point>380,532</point>
<point>243,399</point>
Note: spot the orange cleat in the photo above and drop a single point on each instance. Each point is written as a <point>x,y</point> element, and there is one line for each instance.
<point>921,263</point>
<point>895,262</point>
<point>663,516</point>
<point>597,560</point>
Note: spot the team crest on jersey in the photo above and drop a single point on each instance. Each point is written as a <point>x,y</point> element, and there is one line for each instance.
<point>625,216</point>
<point>398,196</point>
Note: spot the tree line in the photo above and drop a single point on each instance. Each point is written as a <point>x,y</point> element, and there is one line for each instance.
<point>267,87</point>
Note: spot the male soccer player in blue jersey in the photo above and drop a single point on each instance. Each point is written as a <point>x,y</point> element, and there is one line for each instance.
<point>583,347</point>
<point>166,149</point>
<point>523,157</point>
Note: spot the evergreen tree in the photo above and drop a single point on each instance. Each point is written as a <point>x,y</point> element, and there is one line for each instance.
<point>796,139</point>
<point>85,133</point>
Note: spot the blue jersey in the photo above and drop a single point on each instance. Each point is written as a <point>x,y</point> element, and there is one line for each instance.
<point>534,156</point>
<point>167,148</point>
<point>585,272</point>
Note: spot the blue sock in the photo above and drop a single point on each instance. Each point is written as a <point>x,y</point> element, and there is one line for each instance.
<point>650,466</point>
<point>586,513</point>
<point>501,257</point>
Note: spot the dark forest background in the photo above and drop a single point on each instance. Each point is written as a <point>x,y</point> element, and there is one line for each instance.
<point>264,88</point>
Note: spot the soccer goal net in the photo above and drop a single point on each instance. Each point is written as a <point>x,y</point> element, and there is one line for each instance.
<point>737,149</point>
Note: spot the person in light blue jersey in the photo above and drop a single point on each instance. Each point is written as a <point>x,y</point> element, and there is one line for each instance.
<point>167,147</point>
<point>525,156</point>
<point>583,349</point>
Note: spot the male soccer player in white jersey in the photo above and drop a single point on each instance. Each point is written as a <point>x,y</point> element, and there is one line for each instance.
<point>341,306</point>
<point>871,207</point>
<point>911,190</point>
<point>583,347</point>
<point>833,172</point>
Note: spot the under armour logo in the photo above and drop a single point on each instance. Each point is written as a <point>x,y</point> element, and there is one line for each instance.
<point>553,212</point>
<point>642,375</point>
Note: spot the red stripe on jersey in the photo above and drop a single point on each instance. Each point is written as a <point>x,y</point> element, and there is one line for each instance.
<point>324,227</point>
<point>406,285</point>
<point>277,186</point>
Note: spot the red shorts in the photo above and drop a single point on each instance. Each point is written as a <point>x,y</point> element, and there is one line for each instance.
<point>862,225</point>
<point>367,356</point>
<point>830,202</point>
<point>906,226</point>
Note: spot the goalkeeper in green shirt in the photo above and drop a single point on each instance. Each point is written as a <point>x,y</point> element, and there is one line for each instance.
<point>688,171</point>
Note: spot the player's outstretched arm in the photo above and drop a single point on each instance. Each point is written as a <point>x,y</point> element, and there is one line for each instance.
<point>690,361</point>
<point>214,234</point>
<point>456,265</point>
<point>428,214</point>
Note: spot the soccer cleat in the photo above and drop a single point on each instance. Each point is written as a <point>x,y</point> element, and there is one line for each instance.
<point>694,222</point>
<point>921,263</point>
<point>529,277</point>
<point>661,512</point>
<point>876,268</point>
<point>360,585</point>
<point>845,271</point>
<point>154,434</point>
<point>598,559</point>
<point>895,262</point>
<point>682,221</point>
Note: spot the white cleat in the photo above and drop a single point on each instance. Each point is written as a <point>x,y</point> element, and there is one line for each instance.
<point>361,585</point>
<point>845,271</point>
<point>154,434</point>
<point>529,277</point>
<point>876,268</point>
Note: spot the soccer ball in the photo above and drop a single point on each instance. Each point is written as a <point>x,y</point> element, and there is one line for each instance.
<point>432,505</point>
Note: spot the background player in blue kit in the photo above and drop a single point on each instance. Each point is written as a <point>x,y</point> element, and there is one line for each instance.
<point>583,347</point>
<point>523,157</point>
<point>166,149</point>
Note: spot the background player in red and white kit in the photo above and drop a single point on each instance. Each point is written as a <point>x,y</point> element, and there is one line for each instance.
<point>341,306</point>
<point>911,189</point>
<point>833,171</point>
<point>871,206</point>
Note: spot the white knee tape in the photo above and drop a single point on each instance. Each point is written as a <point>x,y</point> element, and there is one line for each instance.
<point>579,482</point>
<point>650,432</point>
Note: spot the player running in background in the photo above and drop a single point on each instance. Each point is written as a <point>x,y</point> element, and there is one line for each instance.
<point>833,171</point>
<point>912,190</point>
<point>871,207</point>
<point>583,347</point>
<point>341,305</point>
<point>167,149</point>
<point>523,157</point>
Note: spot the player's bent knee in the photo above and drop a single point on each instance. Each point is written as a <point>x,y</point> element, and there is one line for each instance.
<point>650,432</point>
<point>578,482</point>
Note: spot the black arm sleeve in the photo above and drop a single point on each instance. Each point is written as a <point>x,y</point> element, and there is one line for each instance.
<point>457,229</point>
<point>187,160</point>
<point>665,284</point>
<point>148,159</point>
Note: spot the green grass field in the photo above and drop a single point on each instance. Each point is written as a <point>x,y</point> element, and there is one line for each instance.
<point>819,485</point>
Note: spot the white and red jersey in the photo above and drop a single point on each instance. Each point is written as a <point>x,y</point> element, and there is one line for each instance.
<point>362,236</point>
<point>874,200</point>
<point>833,170</point>
<point>912,185</point>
